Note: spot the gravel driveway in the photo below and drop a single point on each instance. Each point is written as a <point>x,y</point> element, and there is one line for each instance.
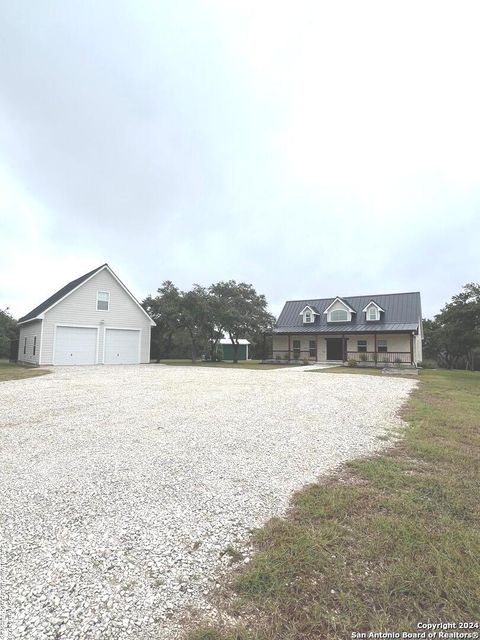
<point>121,486</point>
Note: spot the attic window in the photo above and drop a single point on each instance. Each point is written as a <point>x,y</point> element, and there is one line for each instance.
<point>103,300</point>
<point>339,315</point>
<point>308,316</point>
<point>373,313</point>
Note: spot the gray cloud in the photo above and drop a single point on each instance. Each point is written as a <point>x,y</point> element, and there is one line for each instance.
<point>151,141</point>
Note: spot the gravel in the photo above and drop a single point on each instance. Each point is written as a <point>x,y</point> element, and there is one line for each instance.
<point>122,487</point>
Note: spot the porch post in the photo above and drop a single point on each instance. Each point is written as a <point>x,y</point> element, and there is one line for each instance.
<point>411,348</point>
<point>344,351</point>
<point>375,342</point>
<point>289,346</point>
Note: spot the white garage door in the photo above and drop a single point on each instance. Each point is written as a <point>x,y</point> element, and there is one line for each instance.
<point>122,346</point>
<point>75,345</point>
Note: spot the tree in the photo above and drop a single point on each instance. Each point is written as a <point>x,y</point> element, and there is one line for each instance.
<point>195,317</point>
<point>8,332</point>
<point>242,312</point>
<point>456,329</point>
<point>165,311</point>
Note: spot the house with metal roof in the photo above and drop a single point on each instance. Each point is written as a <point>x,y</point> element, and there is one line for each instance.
<point>384,328</point>
<point>93,319</point>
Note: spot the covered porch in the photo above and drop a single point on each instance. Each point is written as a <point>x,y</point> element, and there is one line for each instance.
<point>369,348</point>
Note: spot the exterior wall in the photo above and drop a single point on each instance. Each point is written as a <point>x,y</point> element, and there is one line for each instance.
<point>80,308</point>
<point>279,344</point>
<point>418,348</point>
<point>395,341</point>
<point>29,330</point>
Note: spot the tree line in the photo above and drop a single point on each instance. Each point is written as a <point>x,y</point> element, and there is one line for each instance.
<point>8,332</point>
<point>197,319</point>
<point>452,338</point>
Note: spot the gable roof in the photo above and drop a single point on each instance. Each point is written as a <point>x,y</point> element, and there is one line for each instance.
<point>344,302</point>
<point>312,309</point>
<point>69,288</point>
<point>372,302</point>
<point>402,312</point>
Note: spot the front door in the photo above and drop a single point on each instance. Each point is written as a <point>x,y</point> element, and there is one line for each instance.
<point>334,349</point>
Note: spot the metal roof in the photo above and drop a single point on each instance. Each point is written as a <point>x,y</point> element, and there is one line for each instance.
<point>403,312</point>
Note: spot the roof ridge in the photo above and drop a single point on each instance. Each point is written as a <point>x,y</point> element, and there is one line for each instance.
<point>400,293</point>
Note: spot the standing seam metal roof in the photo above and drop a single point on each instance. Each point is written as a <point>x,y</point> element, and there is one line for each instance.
<point>403,312</point>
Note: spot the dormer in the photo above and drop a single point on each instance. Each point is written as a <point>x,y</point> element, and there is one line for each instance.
<point>339,311</point>
<point>308,314</point>
<point>373,312</point>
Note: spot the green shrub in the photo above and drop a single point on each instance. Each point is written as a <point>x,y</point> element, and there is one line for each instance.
<point>352,362</point>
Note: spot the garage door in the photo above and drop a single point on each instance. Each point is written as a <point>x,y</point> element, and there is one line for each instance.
<point>75,345</point>
<point>122,346</point>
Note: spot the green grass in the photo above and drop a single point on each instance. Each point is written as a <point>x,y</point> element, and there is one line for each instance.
<point>387,542</point>
<point>245,364</point>
<point>363,371</point>
<point>10,371</point>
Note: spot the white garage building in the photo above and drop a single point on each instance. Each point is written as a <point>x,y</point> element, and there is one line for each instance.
<point>92,320</point>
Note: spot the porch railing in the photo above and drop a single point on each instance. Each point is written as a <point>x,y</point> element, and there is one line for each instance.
<point>381,357</point>
<point>293,354</point>
<point>378,357</point>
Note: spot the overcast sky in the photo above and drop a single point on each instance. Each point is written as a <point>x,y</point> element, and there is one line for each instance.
<point>311,148</point>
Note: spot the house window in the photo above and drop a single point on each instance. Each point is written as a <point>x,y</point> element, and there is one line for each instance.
<point>308,316</point>
<point>373,313</point>
<point>34,344</point>
<point>25,346</point>
<point>382,346</point>
<point>339,315</point>
<point>362,346</point>
<point>312,348</point>
<point>296,349</point>
<point>103,300</point>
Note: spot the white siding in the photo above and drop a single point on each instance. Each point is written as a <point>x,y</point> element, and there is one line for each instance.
<point>80,309</point>
<point>30,330</point>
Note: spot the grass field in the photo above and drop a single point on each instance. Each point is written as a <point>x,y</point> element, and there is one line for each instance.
<point>362,371</point>
<point>246,364</point>
<point>17,372</point>
<point>387,543</point>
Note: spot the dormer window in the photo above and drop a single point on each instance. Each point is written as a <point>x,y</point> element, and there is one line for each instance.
<point>372,312</point>
<point>339,311</point>
<point>308,315</point>
<point>339,315</point>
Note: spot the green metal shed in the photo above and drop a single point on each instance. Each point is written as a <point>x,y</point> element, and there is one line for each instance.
<point>227,348</point>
